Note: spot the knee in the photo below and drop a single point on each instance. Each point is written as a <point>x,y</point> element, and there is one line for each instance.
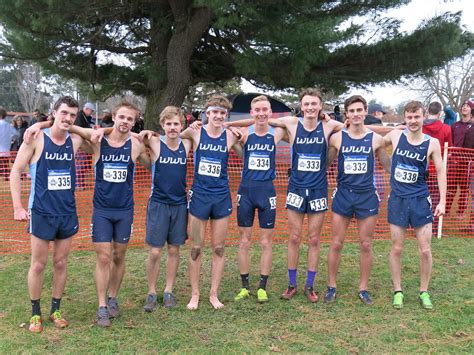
<point>425,252</point>
<point>38,267</point>
<point>118,258</point>
<point>314,241</point>
<point>219,251</point>
<point>366,246</point>
<point>59,264</point>
<point>103,259</point>
<point>154,254</point>
<point>336,246</point>
<point>266,243</point>
<point>173,252</point>
<point>294,239</point>
<point>244,243</point>
<point>195,253</point>
<point>397,250</point>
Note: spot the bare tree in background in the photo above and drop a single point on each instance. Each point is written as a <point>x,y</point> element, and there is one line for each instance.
<point>451,84</point>
<point>29,80</point>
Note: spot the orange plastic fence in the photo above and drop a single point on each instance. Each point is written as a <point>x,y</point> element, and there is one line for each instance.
<point>459,221</point>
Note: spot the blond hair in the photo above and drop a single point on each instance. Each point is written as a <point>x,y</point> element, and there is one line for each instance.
<point>219,100</point>
<point>414,106</point>
<point>170,112</point>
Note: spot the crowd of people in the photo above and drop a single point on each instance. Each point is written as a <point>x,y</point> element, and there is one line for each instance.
<point>51,148</point>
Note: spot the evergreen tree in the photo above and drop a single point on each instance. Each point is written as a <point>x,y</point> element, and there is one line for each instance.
<point>159,49</point>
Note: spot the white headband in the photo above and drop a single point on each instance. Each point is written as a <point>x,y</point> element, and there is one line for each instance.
<point>211,108</point>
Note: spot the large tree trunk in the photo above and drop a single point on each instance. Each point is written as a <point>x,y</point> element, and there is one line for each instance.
<point>188,27</point>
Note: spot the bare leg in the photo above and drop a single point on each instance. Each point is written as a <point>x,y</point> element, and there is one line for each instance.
<point>172,267</point>
<point>398,236</point>
<point>153,268</point>
<point>339,227</point>
<point>102,271</point>
<point>117,269</point>
<point>365,229</point>
<point>295,227</point>
<point>423,236</point>
<point>243,256</point>
<point>198,228</point>
<point>218,234</point>
<point>266,245</point>
<point>315,225</point>
<point>39,259</point>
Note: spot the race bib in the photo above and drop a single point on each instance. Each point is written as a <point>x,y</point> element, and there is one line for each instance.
<point>115,173</point>
<point>294,200</point>
<point>355,165</point>
<point>319,204</point>
<point>209,167</point>
<point>309,162</point>
<point>259,161</point>
<point>59,180</point>
<point>406,174</point>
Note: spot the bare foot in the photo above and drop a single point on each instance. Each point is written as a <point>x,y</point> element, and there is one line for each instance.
<point>215,302</point>
<point>193,303</point>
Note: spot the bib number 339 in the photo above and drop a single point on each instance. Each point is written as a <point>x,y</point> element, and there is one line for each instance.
<point>115,173</point>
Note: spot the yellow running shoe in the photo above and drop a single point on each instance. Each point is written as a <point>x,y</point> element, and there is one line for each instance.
<point>35,324</point>
<point>262,296</point>
<point>243,293</point>
<point>58,320</point>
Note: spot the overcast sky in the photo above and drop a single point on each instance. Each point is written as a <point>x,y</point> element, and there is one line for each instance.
<point>412,15</point>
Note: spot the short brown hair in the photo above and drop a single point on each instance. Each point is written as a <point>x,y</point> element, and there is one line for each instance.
<point>68,100</point>
<point>434,108</point>
<point>353,99</point>
<point>310,92</point>
<point>414,106</point>
<point>258,99</point>
<point>128,105</point>
<point>169,112</point>
<point>219,100</point>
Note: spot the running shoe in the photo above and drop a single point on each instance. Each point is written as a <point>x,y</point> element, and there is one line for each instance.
<point>310,294</point>
<point>243,293</point>
<point>114,309</point>
<point>425,300</point>
<point>365,297</point>
<point>150,304</point>
<point>102,317</point>
<point>398,300</point>
<point>330,295</point>
<point>262,296</point>
<point>168,300</point>
<point>289,293</point>
<point>58,320</point>
<point>35,324</point>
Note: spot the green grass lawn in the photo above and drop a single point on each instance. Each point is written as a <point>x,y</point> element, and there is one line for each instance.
<point>278,326</point>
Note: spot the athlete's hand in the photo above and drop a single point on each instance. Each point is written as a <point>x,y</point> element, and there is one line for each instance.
<point>196,125</point>
<point>236,132</point>
<point>146,134</point>
<point>97,135</point>
<point>20,214</point>
<point>440,210</point>
<point>31,134</point>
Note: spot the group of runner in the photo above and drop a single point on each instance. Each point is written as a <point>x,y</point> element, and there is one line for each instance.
<point>315,141</point>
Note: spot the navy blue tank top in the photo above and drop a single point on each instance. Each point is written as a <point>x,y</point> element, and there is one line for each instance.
<point>308,158</point>
<point>169,175</point>
<point>53,179</point>
<point>259,156</point>
<point>409,166</point>
<point>114,173</point>
<point>355,162</point>
<point>210,164</point>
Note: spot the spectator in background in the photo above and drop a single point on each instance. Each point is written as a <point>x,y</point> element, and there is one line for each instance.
<point>7,133</point>
<point>139,124</point>
<point>450,117</point>
<point>20,124</point>
<point>469,143</point>
<point>433,127</point>
<point>337,114</point>
<point>375,115</point>
<point>458,163</point>
<point>107,119</point>
<point>84,117</point>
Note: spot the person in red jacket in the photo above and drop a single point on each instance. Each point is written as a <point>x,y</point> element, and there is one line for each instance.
<point>458,162</point>
<point>434,127</point>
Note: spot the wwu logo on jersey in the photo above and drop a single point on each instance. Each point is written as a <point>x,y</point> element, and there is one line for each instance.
<point>410,155</point>
<point>352,149</point>
<point>57,156</point>
<point>213,147</point>
<point>173,161</point>
<point>306,140</point>
<point>264,147</point>
<point>114,158</point>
